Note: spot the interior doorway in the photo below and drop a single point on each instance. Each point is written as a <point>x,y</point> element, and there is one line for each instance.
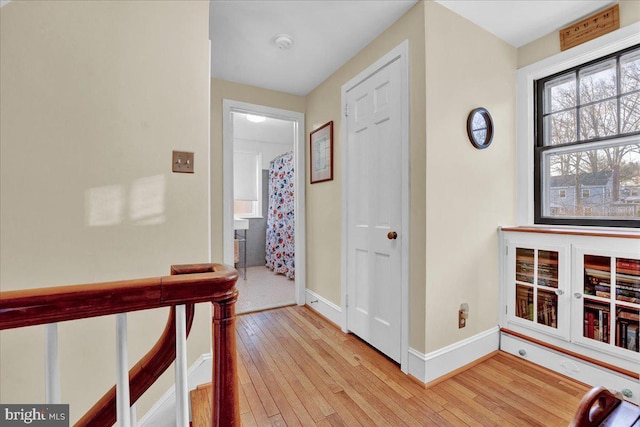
<point>263,218</point>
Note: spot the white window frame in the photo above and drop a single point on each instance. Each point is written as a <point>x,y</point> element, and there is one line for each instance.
<point>525,98</point>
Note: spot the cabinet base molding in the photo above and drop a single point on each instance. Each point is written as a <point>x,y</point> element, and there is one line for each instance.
<point>577,368</point>
<point>634,375</point>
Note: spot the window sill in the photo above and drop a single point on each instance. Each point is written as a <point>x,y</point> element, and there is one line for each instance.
<point>575,231</point>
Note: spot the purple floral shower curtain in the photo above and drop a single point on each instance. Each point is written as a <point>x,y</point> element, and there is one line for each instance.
<point>280,250</point>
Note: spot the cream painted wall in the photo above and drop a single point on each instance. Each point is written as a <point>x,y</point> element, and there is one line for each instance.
<point>550,44</point>
<point>95,96</point>
<point>469,192</point>
<point>324,209</point>
<point>221,89</point>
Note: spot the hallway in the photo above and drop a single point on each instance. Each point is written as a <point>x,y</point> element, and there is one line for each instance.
<point>295,368</point>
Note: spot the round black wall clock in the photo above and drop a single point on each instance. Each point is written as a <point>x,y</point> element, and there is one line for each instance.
<point>480,128</point>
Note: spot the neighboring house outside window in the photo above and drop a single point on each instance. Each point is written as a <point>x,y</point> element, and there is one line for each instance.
<point>587,143</point>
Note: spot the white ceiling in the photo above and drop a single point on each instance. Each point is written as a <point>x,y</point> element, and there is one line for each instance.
<point>327,33</point>
<point>523,21</point>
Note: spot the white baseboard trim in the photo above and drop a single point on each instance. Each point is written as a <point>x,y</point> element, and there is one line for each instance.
<point>163,412</point>
<point>324,307</point>
<point>431,366</point>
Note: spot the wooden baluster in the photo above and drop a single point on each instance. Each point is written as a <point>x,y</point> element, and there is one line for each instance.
<point>225,408</point>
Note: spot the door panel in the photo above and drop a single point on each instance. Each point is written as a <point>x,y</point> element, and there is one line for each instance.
<point>374,192</point>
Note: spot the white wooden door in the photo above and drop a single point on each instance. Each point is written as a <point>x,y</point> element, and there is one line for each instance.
<point>374,210</point>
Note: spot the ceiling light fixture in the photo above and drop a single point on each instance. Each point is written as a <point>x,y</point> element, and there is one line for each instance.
<point>255,119</point>
<point>283,41</point>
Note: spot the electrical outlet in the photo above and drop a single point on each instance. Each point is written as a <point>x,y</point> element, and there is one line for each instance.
<point>182,162</point>
<point>463,314</point>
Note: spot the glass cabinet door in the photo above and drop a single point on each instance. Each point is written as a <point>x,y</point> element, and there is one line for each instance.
<point>536,286</point>
<point>627,303</point>
<point>611,306</point>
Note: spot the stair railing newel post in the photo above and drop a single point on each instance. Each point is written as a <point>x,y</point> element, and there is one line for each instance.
<point>225,406</point>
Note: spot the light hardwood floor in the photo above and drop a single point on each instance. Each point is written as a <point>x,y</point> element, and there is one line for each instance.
<point>297,369</point>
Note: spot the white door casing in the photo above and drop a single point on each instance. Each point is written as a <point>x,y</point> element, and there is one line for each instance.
<point>376,205</point>
<point>231,106</point>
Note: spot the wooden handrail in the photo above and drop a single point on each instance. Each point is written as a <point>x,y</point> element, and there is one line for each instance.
<point>61,303</point>
<point>188,284</point>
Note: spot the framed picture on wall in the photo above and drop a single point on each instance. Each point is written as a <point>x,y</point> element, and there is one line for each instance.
<point>322,153</point>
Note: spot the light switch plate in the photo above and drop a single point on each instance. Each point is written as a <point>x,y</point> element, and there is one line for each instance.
<point>182,162</point>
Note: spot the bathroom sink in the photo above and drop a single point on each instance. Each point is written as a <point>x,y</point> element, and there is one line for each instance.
<point>240,224</point>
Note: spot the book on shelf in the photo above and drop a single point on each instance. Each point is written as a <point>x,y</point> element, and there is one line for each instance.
<point>524,272</point>
<point>550,282</point>
<point>548,275</point>
<point>628,293</point>
<point>627,287</point>
<point>597,274</point>
<point>522,277</point>
<point>596,322</point>
<point>632,316</point>
<point>524,302</point>
<point>548,257</point>
<point>628,264</point>
<point>547,310</point>
<point>595,262</point>
<point>627,334</point>
<point>628,279</point>
<point>551,269</point>
<point>634,299</point>
<point>632,337</point>
<point>594,283</point>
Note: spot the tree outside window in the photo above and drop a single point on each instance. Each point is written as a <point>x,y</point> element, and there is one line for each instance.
<point>588,142</point>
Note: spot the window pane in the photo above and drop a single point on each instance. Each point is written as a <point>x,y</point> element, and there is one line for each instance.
<point>598,82</point>
<point>560,93</point>
<point>630,113</point>
<point>548,268</point>
<point>524,265</point>
<point>560,128</point>
<point>630,72</point>
<point>593,183</point>
<point>524,302</point>
<point>599,120</point>
<point>243,208</point>
<point>548,308</point>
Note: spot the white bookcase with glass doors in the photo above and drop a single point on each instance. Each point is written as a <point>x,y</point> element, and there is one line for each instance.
<point>571,302</point>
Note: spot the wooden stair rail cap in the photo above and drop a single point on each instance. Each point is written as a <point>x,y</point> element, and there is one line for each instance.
<point>192,283</point>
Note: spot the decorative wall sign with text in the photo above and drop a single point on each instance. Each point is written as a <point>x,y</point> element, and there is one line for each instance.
<point>590,28</point>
